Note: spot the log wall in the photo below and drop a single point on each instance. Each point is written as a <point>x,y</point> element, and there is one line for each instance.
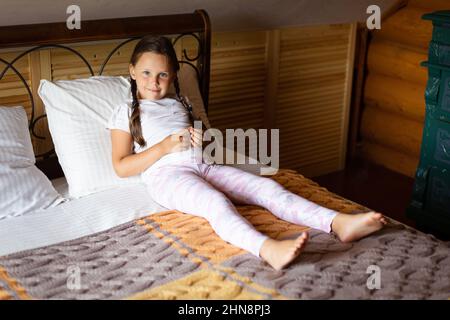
<point>394,104</point>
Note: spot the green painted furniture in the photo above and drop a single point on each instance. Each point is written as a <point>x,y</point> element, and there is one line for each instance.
<point>430,201</point>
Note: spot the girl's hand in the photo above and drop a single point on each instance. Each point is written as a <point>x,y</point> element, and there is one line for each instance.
<point>196,137</point>
<point>179,141</point>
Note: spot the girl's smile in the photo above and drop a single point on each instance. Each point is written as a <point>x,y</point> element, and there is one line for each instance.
<point>153,75</point>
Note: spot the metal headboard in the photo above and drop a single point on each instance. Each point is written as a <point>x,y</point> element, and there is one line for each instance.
<point>56,35</point>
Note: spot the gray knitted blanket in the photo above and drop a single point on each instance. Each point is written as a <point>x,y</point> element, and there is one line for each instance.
<point>172,255</point>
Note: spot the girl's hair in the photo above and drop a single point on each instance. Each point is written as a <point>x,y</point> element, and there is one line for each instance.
<point>159,45</point>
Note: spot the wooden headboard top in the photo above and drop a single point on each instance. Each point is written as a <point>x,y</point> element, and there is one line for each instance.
<point>36,37</point>
<point>93,30</point>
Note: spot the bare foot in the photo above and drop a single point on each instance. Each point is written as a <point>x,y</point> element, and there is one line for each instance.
<point>351,227</point>
<point>279,253</point>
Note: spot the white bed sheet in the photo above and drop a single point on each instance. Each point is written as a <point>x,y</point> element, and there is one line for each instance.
<point>76,218</point>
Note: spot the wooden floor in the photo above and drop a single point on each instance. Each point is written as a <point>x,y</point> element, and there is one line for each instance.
<point>373,186</point>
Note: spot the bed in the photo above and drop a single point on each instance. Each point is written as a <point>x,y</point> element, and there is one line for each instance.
<point>119,244</point>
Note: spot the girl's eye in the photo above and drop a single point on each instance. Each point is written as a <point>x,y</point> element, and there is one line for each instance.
<point>164,75</point>
<point>146,73</point>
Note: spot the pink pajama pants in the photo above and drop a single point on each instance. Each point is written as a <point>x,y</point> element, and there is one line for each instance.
<point>208,191</point>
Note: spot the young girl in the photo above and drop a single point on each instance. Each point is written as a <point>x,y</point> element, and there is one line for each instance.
<point>153,135</point>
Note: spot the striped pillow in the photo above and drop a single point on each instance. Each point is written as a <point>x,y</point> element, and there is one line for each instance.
<point>23,187</point>
<point>78,112</point>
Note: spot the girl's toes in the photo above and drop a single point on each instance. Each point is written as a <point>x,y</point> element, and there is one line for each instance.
<point>302,238</point>
<point>377,217</point>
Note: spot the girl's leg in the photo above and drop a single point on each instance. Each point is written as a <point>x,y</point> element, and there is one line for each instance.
<point>181,188</point>
<point>245,187</point>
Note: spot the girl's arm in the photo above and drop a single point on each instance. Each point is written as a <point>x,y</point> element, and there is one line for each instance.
<point>126,163</point>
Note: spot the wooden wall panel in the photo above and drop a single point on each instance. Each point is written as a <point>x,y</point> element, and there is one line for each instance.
<point>390,158</point>
<point>392,131</point>
<point>66,65</point>
<point>12,91</point>
<point>407,28</point>
<point>395,95</point>
<point>397,61</point>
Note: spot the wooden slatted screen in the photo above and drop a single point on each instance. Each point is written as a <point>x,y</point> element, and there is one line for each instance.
<point>238,78</point>
<point>312,100</point>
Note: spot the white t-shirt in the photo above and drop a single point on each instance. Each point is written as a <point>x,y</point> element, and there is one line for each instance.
<point>159,119</point>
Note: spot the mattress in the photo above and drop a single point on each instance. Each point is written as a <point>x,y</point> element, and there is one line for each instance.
<point>75,218</point>
<point>172,255</point>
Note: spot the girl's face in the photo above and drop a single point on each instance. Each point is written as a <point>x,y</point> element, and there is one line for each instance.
<point>153,75</point>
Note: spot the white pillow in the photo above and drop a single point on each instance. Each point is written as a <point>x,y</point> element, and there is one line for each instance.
<point>23,187</point>
<point>77,112</point>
